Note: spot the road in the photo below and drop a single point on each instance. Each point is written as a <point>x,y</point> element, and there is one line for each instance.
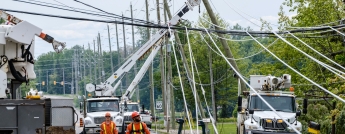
<point>78,129</point>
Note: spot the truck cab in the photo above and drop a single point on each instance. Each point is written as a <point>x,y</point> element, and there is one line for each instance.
<point>255,116</point>
<point>94,110</point>
<point>134,106</point>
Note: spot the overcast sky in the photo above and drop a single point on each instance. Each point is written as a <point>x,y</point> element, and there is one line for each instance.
<point>75,32</point>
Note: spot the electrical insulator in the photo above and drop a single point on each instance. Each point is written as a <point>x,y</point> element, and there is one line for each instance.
<point>54,82</point>
<point>61,83</point>
<point>43,83</point>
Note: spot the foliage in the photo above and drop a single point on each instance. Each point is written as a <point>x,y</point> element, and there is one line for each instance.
<point>312,13</point>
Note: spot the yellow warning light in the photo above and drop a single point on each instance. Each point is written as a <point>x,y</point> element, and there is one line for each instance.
<point>115,76</point>
<point>89,95</point>
<point>292,89</point>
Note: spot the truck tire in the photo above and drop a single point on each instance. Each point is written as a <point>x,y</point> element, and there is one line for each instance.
<point>244,129</point>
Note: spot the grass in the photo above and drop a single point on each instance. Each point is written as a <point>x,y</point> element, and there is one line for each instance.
<point>224,126</point>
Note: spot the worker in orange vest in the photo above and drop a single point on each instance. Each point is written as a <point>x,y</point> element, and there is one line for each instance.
<point>108,126</point>
<point>137,127</point>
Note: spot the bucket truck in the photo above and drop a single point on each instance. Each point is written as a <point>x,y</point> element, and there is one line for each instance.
<point>255,117</point>
<point>104,90</point>
<point>32,114</point>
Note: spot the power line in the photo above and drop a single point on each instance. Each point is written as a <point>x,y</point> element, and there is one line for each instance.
<point>231,32</point>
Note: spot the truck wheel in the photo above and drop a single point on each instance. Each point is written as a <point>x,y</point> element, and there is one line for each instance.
<point>244,130</point>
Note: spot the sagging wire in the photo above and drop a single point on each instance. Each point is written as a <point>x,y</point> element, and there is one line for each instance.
<point>231,39</point>
<point>194,88</point>
<point>242,57</point>
<point>145,22</point>
<point>319,62</point>
<point>179,75</point>
<point>99,15</point>
<point>319,53</point>
<point>203,92</point>
<point>314,59</point>
<point>297,71</point>
<point>240,76</point>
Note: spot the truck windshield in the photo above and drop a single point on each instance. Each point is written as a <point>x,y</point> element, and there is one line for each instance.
<point>279,103</point>
<point>131,107</point>
<point>103,105</point>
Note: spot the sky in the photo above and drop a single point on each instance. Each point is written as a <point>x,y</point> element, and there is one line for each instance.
<point>75,32</point>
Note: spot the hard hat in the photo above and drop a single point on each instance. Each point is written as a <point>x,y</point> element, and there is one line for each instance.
<point>135,114</point>
<point>107,114</point>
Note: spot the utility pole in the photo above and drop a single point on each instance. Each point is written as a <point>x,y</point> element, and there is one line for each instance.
<point>118,52</point>
<point>150,68</point>
<point>72,83</point>
<point>90,61</point>
<point>224,43</point>
<point>135,64</point>
<point>169,79</point>
<point>188,72</point>
<point>118,48</point>
<point>101,55</point>
<point>47,82</point>
<point>99,60</point>
<point>94,53</point>
<point>163,84</point>
<point>111,57</point>
<point>214,114</point>
<point>63,79</point>
<point>76,71</point>
<point>84,61</point>
<point>125,51</point>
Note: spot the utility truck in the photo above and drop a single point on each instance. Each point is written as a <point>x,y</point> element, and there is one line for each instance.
<point>32,114</point>
<point>255,117</point>
<point>154,44</point>
<point>132,107</point>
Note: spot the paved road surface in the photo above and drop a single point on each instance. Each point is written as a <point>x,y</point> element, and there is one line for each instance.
<point>78,129</point>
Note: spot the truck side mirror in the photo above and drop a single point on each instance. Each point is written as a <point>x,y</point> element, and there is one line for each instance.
<point>298,113</point>
<point>81,107</point>
<point>305,106</point>
<point>251,111</point>
<point>239,103</point>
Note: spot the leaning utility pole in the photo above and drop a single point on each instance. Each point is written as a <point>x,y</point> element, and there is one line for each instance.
<point>188,72</point>
<point>150,68</point>
<point>221,37</point>
<point>135,64</point>
<point>111,57</point>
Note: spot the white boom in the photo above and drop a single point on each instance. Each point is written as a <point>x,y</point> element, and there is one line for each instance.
<point>17,41</point>
<point>106,87</point>
<point>141,73</point>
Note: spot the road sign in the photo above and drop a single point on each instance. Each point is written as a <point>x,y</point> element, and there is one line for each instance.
<point>159,105</point>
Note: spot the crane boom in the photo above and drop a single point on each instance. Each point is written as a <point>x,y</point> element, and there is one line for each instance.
<point>141,73</point>
<point>12,20</point>
<point>106,87</point>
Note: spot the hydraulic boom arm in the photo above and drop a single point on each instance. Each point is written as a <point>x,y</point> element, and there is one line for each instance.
<point>106,87</point>
<point>14,21</point>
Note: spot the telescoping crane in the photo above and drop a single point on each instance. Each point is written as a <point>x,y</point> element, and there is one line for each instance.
<point>33,114</point>
<point>105,89</point>
<point>130,62</point>
<point>17,39</point>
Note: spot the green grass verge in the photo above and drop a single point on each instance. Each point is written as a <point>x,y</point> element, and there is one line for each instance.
<point>223,128</point>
